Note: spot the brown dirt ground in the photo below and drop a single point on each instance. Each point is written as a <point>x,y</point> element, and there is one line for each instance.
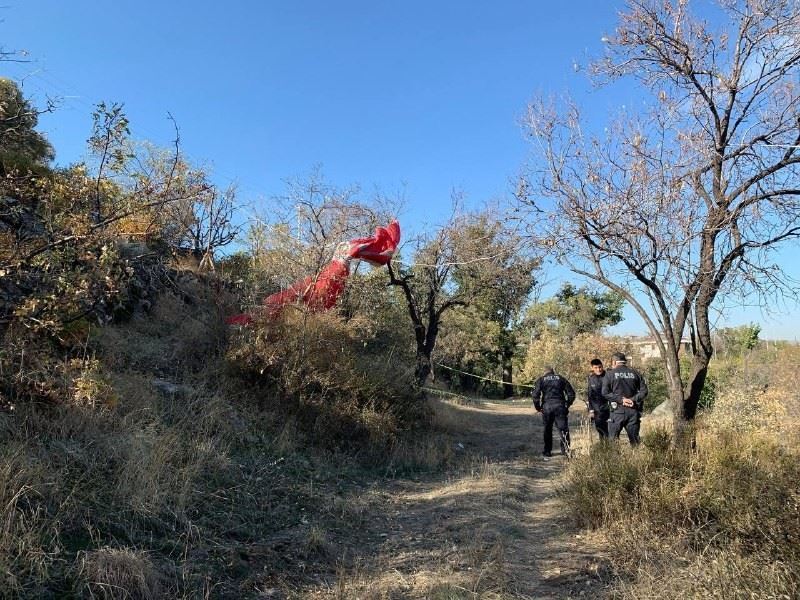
<point>491,527</point>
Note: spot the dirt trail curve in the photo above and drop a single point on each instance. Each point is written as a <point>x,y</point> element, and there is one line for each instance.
<point>492,530</point>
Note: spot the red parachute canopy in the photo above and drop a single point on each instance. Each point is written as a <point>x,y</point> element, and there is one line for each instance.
<point>378,249</point>
<point>321,292</point>
<point>318,293</point>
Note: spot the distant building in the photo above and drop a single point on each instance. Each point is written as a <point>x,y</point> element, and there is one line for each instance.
<point>647,347</point>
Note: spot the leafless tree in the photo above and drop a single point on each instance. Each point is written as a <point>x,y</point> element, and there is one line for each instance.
<point>681,205</point>
<point>203,223</point>
<point>299,232</point>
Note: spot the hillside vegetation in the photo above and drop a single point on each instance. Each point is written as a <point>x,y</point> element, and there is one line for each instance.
<point>722,521</point>
<point>171,455</point>
<point>151,449</point>
<point>147,449</point>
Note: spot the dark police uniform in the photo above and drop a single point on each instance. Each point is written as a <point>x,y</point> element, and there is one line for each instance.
<point>552,396</point>
<point>624,382</point>
<point>598,403</point>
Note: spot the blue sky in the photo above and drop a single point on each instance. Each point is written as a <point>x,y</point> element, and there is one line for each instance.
<point>420,96</point>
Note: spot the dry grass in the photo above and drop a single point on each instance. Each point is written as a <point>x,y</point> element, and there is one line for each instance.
<point>118,573</point>
<point>25,538</point>
<point>722,522</point>
<point>448,418</point>
<point>203,486</point>
<point>81,479</point>
<point>477,570</point>
<point>74,481</point>
<point>317,540</point>
<point>423,452</point>
<point>454,542</point>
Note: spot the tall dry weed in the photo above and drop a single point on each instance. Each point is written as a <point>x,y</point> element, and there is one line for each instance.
<point>317,369</point>
<point>26,539</point>
<point>118,574</point>
<point>721,522</point>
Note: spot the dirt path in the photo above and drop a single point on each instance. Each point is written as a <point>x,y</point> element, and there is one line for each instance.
<point>491,530</point>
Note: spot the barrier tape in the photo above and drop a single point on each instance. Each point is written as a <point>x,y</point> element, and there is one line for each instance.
<point>494,380</point>
<point>485,378</point>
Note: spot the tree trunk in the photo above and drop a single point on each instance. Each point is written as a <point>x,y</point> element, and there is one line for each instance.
<point>508,387</point>
<point>676,403</point>
<point>702,353</point>
<point>694,388</point>
<point>423,367</point>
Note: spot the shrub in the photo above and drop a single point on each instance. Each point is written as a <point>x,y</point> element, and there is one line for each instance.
<point>654,374</point>
<point>119,573</point>
<point>319,369</point>
<point>687,523</point>
<point>570,357</point>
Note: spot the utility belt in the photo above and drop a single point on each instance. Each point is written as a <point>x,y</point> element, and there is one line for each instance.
<point>551,404</point>
<point>619,407</point>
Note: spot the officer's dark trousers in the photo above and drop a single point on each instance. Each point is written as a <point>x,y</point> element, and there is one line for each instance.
<point>601,423</point>
<point>628,418</point>
<point>558,415</point>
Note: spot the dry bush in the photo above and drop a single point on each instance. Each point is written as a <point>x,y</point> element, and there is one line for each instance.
<point>118,573</point>
<point>723,521</point>
<point>34,368</point>
<point>317,540</point>
<point>569,357</point>
<point>315,368</point>
<point>759,393</point>
<point>71,362</point>
<point>178,335</point>
<point>91,386</point>
<point>747,410</point>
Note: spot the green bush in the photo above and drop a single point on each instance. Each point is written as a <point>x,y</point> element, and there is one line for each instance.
<point>656,380</point>
<point>709,393</point>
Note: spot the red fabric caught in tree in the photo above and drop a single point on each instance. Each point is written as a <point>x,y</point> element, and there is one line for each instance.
<point>378,249</point>
<point>321,292</point>
<point>318,293</point>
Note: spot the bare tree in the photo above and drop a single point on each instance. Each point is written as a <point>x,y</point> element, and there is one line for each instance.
<point>680,206</point>
<point>300,232</point>
<point>202,224</point>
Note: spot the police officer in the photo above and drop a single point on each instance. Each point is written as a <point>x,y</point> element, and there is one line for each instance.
<point>598,405</point>
<point>552,396</point>
<point>625,390</point>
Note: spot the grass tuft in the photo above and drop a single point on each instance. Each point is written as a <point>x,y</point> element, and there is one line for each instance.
<point>720,522</point>
<point>118,573</point>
